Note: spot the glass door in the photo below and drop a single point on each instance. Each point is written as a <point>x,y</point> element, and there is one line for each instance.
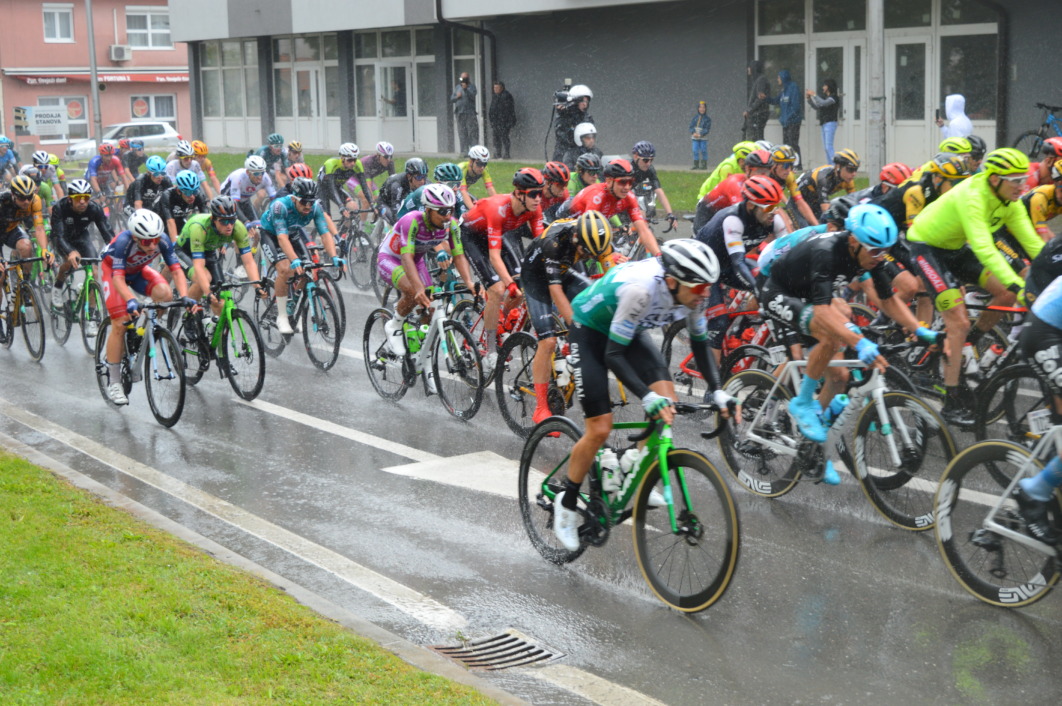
<point>309,117</point>
<point>909,121</point>
<point>843,61</point>
<point>395,110</point>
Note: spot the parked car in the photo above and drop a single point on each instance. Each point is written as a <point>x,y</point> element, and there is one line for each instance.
<point>157,137</point>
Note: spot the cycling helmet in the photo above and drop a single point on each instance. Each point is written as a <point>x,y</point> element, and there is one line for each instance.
<point>436,196</point>
<point>584,129</point>
<point>528,178</point>
<point>447,172</point>
<point>955,145</point>
<point>643,149</point>
<point>416,166</point>
<point>145,224</point>
<point>764,145</point>
<point>689,261</point>
<point>304,189</point>
<point>479,153</point>
<point>978,146</point>
<point>200,148</point>
<point>23,186</point>
<point>579,91</point>
<point>78,187</point>
<point>300,170</point>
<point>40,158</point>
<point>758,158</point>
<point>106,149</point>
<point>5,140</point>
<point>123,144</point>
<point>136,144</point>
<point>184,149</point>
<point>872,226</point>
<point>187,181</point>
<point>949,166</point>
<point>838,211</point>
<point>222,207</point>
<point>742,149</point>
<point>618,169</point>
<point>155,165</point>
<point>349,150</point>
<point>557,172</point>
<point>595,233</point>
<point>846,158</point>
<point>1006,161</point>
<point>31,171</point>
<point>295,146</point>
<point>1052,147</point>
<point>762,191</point>
<point>783,154</point>
<point>53,159</point>
<point>254,164</point>
<point>1056,172</point>
<point>385,149</point>
<point>275,138</point>
<point>588,162</point>
<point>895,173</point>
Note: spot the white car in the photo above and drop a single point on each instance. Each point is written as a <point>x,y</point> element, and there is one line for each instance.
<point>157,137</point>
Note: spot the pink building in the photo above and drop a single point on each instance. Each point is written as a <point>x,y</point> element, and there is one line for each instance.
<point>44,55</point>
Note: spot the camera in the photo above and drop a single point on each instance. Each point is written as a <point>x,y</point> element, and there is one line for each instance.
<point>561,97</point>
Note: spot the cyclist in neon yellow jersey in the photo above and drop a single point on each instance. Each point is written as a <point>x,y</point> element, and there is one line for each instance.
<point>730,165</point>
<point>968,215</point>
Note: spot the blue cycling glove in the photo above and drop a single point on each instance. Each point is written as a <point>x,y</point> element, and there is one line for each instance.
<point>926,335</point>
<point>338,262</point>
<point>867,351</point>
<point>296,264</point>
<point>132,306</point>
<point>442,256</point>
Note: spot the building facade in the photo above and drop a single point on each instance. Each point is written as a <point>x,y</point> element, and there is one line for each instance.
<point>44,52</point>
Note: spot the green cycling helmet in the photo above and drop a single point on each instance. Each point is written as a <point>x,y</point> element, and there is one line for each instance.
<point>956,145</point>
<point>275,138</point>
<point>447,172</point>
<point>1006,161</point>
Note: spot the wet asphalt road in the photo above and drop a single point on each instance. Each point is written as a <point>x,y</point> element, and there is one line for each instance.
<point>829,604</point>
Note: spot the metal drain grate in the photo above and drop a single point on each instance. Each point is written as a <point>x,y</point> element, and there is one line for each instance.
<point>510,649</point>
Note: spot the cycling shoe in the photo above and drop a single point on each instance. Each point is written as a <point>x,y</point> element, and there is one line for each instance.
<point>808,417</point>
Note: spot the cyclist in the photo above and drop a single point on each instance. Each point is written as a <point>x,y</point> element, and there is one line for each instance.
<point>555,194</point>
<point>817,186</point>
<point>103,167</point>
<point>957,145</point>
<point>587,172</point>
<point>134,157</point>
<point>9,161</point>
<point>299,169</point>
<point>550,280</point>
<point>612,198</point>
<point>185,160</point>
<point>448,174</point>
<point>382,160</point>
<point>180,202</point>
<point>272,153</point>
<point>147,187</point>
<point>49,177</point>
<point>20,206</point>
<point>53,163</point>
<point>970,214</point>
<point>201,238</point>
<point>643,155</point>
<point>284,239</point>
<point>199,154</point>
<point>72,218</point>
<point>734,164</point>
<point>293,155</point>
<point>489,244</point>
<point>585,143</point>
<point>473,170</point>
<point>612,318</point>
<point>783,160</point>
<point>728,192</point>
<point>336,172</point>
<point>1045,202</point>
<point>249,186</point>
<point>978,148</point>
<point>395,190</point>
<point>1040,172</point>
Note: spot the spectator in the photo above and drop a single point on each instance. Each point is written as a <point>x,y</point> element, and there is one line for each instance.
<point>502,119</point>
<point>571,113</point>
<point>759,106</point>
<point>397,101</point>
<point>464,100</point>
<point>700,124</point>
<point>956,124</point>
<point>791,111</point>
<point>828,105</point>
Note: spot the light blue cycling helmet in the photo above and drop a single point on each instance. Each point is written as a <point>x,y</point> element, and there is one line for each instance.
<point>872,226</point>
<point>187,181</point>
<point>447,171</point>
<point>157,165</point>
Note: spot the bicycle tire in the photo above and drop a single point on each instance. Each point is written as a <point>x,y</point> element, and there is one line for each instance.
<point>387,371</point>
<point>31,321</point>
<point>457,362</point>
<point>1005,401</point>
<point>331,285</point>
<point>93,310</point>
<point>514,387</point>
<point>265,315</point>
<point>748,462</point>
<point>360,258</point>
<point>536,491</point>
<point>244,356</point>
<point>167,359</point>
<point>379,287</point>
<point>1029,143</point>
<point>63,317</point>
<point>99,359</point>
<point>187,328</point>
<point>904,495</point>
<point>746,357</point>
<point>470,313</point>
<point>320,322</point>
<point>709,533</point>
<point>980,560</point>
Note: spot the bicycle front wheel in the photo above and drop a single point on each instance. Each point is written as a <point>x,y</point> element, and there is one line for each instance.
<point>688,567</point>
<point>1005,402</point>
<point>63,317</point>
<point>991,566</point>
<point>458,371</point>
<point>164,379</point>
<point>387,370</point>
<point>321,330</point>
<point>514,386</point>
<point>543,471</point>
<point>92,315</point>
<point>244,356</point>
<point>31,316</point>
<point>1029,143</point>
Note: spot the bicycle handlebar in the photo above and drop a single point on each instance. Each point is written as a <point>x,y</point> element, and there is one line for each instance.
<point>685,408</point>
<point>1051,108</point>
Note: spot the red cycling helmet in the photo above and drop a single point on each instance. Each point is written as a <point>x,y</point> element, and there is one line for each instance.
<point>758,158</point>
<point>895,174</point>
<point>528,178</point>
<point>123,144</point>
<point>619,169</point>
<point>762,191</point>
<point>1052,147</point>
<point>106,149</point>
<point>300,169</point>
<point>557,172</point>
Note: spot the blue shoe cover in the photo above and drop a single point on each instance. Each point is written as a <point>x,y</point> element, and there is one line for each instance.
<point>830,475</point>
<point>808,417</point>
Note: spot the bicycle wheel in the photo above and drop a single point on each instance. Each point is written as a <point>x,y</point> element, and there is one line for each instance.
<point>689,568</point>
<point>103,379</point>
<point>243,359</point>
<point>321,330</point>
<point>63,317</point>
<point>265,315</point>
<point>470,313</point>
<point>361,258</point>
<point>1005,402</point>
<point>92,315</point>
<point>762,470</point>
<point>389,373</point>
<point>330,285</point>
<point>458,371</point>
<point>543,471</point>
<point>904,494</point>
<point>191,339</point>
<point>514,387</point>
<point>7,331</point>
<point>164,379</point>
<point>381,288</point>
<point>746,357</point>
<point>1029,143</point>
<point>991,566</point>
<point>31,318</point>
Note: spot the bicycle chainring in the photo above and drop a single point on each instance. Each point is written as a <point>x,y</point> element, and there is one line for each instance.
<point>597,527</point>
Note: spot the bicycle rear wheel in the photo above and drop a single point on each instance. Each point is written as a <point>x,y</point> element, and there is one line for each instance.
<point>387,371</point>
<point>63,317</point>
<point>244,356</point>
<point>164,379</point>
<point>321,330</point>
<point>195,350</point>
<point>514,387</point>
<point>458,371</point>
<point>92,315</point>
<point>1029,143</point>
<point>1005,402</point>
<point>688,569</point>
<point>543,471</point>
<point>360,258</point>
<point>381,288</point>
<point>991,566</point>
<point>31,318</point>
<point>330,285</point>
<point>265,315</point>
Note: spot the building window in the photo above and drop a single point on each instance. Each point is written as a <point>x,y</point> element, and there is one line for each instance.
<point>839,15</point>
<point>154,108</point>
<point>58,23</point>
<point>969,65</point>
<point>781,17</point>
<point>76,115</point>
<point>148,28</point>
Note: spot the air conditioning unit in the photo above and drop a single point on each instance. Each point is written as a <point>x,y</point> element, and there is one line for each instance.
<point>121,52</point>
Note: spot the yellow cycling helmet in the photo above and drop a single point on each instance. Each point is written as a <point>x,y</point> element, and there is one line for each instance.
<point>24,186</point>
<point>743,149</point>
<point>595,233</point>
<point>783,154</point>
<point>200,148</point>
<point>956,145</point>
<point>949,166</point>
<point>1006,161</point>
<point>295,146</point>
<point>846,158</point>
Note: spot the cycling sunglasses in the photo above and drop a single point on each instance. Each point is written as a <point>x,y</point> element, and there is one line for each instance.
<point>534,193</point>
<point>700,288</point>
<point>80,197</point>
<point>226,221</point>
<point>479,162</point>
<point>149,242</point>
<point>303,202</point>
<point>876,253</point>
<point>444,211</point>
<point>1014,178</point>
<point>769,208</point>
<point>647,160</point>
<point>626,181</point>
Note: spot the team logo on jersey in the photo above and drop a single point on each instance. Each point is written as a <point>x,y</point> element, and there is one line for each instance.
<point>778,307</point>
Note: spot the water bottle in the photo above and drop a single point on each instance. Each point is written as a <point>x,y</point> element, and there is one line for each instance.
<point>611,480</point>
<point>412,337</point>
<point>834,410</point>
<point>990,356</point>
<point>563,370</point>
<point>629,463</point>
<point>512,319</point>
<point>969,361</point>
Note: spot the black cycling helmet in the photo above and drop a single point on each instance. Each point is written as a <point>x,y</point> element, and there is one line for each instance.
<point>644,149</point>
<point>979,147</point>
<point>588,162</point>
<point>528,178</point>
<point>618,169</point>
<point>304,189</point>
<point>758,158</point>
<point>557,172</point>
<point>416,166</point>
<point>222,207</point>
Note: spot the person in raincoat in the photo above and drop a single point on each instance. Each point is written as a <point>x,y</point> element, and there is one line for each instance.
<point>956,124</point>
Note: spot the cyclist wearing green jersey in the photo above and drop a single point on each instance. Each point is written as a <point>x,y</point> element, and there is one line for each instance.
<point>968,215</point>
<point>334,175</point>
<point>200,239</point>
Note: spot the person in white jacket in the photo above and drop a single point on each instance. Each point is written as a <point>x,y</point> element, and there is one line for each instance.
<point>956,124</point>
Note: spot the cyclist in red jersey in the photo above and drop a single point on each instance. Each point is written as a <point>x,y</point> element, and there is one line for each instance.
<point>728,193</point>
<point>614,197</point>
<point>486,233</point>
<point>557,176</point>
<point>1040,172</point>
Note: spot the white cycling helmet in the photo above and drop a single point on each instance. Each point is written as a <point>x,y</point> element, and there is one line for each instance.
<point>184,149</point>
<point>254,163</point>
<point>579,91</point>
<point>584,129</point>
<point>436,196</point>
<point>479,153</point>
<point>385,149</point>
<point>689,261</point>
<point>40,158</point>
<point>349,150</point>
<point>764,145</point>
<point>145,224</point>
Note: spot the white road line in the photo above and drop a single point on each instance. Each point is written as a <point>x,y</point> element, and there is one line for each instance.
<point>591,686</point>
<point>483,471</point>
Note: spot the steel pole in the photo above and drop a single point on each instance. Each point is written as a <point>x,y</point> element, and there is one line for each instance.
<point>876,147</point>
<point>97,120</point>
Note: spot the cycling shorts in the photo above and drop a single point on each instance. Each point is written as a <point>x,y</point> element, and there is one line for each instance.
<point>391,269</point>
<point>83,244</point>
<point>591,374</point>
<point>141,283</point>
<point>792,313</point>
<point>274,253</point>
<point>540,308</point>
<point>1041,343</point>
<point>184,255</point>
<point>14,235</point>
<point>478,256</point>
<point>945,271</point>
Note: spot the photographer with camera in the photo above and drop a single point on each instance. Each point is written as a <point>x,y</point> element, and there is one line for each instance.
<point>464,100</point>
<point>571,104</point>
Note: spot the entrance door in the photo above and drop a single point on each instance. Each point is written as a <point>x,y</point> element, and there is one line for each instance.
<point>309,116</point>
<point>395,106</point>
<point>910,127</point>
<point>843,61</point>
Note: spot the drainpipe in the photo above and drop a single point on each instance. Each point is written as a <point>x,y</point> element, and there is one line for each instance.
<point>483,85</point>
<point>1002,102</point>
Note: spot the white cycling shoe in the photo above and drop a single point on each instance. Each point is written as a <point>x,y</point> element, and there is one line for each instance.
<point>565,524</point>
<point>117,394</point>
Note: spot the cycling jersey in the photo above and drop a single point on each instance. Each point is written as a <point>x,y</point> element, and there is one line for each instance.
<point>333,175</point>
<point>122,255</point>
<point>727,193</point>
<point>206,166</point>
<point>732,234</point>
<point>549,259</point>
<point>812,269</point>
<point>969,214</point>
<point>281,218</point>
<point>1045,269</point>
<point>819,185</point>
<point>727,167</point>
<point>9,160</point>
<point>414,202</point>
<point>1048,306</point>
<point>171,204</point>
<point>550,204</point>
<point>12,215</point>
<point>1033,180</point>
<point>100,166</point>
<point>646,175</point>
<point>145,190</point>
<point>470,179</point>
<point>394,191</point>
<point>199,237</point>
<point>790,189</point>
<point>133,161</point>
<point>783,244</point>
<point>272,160</point>
<point>372,167</point>
<point>70,229</point>
<point>908,200</point>
<point>1042,205</point>
<point>239,186</point>
<point>493,216</point>
<point>174,166</point>
<point>412,234</point>
<point>52,174</point>
<point>597,197</point>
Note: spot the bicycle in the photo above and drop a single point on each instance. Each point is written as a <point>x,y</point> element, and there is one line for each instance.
<point>980,532</point>
<point>687,550</point>
<point>313,310</point>
<point>329,281</point>
<point>456,366</point>
<point>150,354</point>
<point>1031,141</point>
<point>233,341</point>
<point>356,247</point>
<point>83,304</point>
<point>21,307</point>
<point>900,442</point>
